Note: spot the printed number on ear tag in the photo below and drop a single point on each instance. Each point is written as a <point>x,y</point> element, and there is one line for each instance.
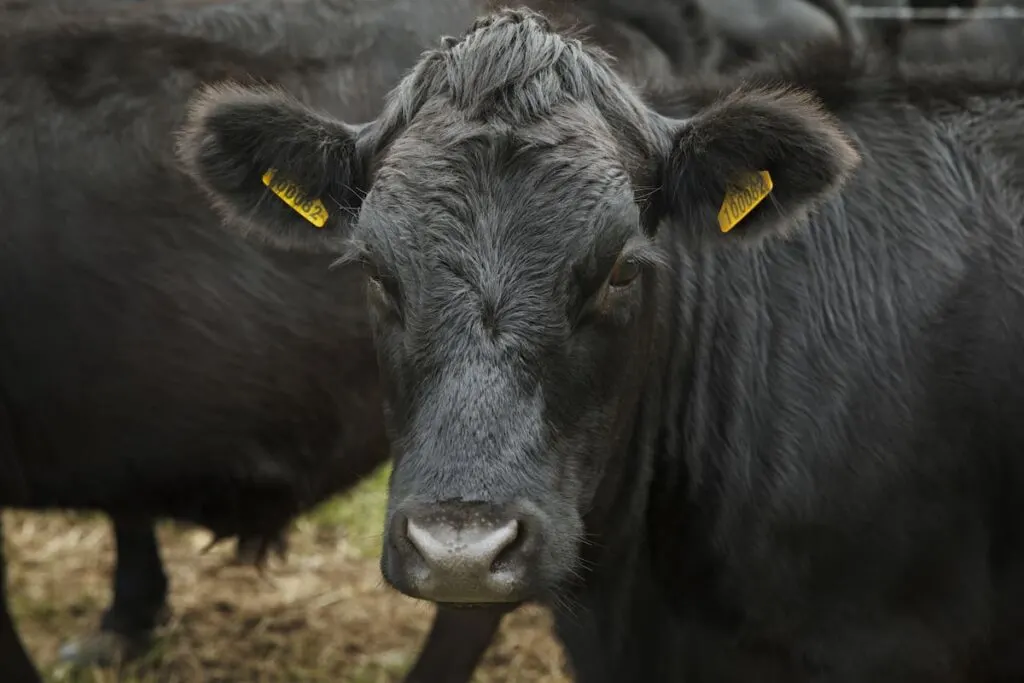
<point>742,197</point>
<point>313,210</point>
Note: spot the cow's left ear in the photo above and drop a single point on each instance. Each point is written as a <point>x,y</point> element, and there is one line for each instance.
<point>753,164</point>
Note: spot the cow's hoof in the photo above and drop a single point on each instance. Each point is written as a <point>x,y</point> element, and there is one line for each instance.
<point>103,649</point>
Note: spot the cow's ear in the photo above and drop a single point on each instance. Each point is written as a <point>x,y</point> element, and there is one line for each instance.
<point>273,167</point>
<point>753,164</point>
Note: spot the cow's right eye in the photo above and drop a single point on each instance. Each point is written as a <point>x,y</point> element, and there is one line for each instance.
<point>383,287</point>
<point>624,272</point>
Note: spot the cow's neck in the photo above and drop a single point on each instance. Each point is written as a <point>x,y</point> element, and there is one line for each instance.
<point>713,376</point>
<point>618,625</point>
<point>655,496</point>
<point>711,371</point>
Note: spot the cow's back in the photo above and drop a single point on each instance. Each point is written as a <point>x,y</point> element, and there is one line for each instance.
<point>144,357</point>
<point>136,344</point>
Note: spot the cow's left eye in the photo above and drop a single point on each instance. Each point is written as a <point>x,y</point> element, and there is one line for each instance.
<point>624,272</point>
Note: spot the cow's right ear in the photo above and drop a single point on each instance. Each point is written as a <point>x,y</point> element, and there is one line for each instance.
<point>273,167</point>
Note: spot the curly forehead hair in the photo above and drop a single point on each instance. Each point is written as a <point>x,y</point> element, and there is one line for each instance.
<point>513,67</point>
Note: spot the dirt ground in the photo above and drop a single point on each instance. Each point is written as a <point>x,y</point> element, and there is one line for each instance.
<point>322,615</point>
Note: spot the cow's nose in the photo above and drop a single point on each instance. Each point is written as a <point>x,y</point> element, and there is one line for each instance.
<point>446,549</point>
<point>462,553</point>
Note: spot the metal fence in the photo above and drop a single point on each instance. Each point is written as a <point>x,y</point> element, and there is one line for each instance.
<point>932,13</point>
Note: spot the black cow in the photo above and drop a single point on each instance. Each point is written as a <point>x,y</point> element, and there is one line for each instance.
<point>747,29</point>
<point>717,35</point>
<point>733,381</point>
<point>972,39</point>
<point>894,34</point>
<point>774,21</point>
<point>90,98</point>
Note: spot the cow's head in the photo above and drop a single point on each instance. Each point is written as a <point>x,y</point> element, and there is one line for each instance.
<point>505,207</point>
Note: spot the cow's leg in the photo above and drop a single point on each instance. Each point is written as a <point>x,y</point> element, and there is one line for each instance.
<point>457,640</point>
<point>14,661</point>
<point>140,600</point>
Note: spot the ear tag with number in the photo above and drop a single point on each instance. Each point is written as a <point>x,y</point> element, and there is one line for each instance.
<point>313,210</point>
<point>742,197</point>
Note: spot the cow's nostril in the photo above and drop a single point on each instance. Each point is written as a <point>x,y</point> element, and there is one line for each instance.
<point>506,558</point>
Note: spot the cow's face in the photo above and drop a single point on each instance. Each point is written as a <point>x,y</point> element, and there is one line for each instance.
<point>511,289</point>
<point>504,211</point>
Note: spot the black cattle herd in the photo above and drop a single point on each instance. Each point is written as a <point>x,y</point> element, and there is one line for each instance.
<point>698,322</point>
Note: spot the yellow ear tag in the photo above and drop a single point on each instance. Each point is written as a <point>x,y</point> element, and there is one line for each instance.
<point>742,198</point>
<point>313,210</point>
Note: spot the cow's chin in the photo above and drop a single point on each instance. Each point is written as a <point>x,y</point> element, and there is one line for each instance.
<point>481,595</point>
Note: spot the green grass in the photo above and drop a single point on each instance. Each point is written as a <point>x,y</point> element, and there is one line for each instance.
<point>359,514</point>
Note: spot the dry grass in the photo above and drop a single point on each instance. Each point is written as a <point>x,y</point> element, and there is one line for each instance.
<point>323,615</point>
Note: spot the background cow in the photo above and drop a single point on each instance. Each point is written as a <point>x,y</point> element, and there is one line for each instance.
<point>894,34</point>
<point>139,375</point>
<point>977,39</point>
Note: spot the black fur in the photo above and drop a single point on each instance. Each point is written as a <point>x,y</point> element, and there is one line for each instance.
<point>777,459</point>
<point>91,90</point>
<point>148,367</point>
